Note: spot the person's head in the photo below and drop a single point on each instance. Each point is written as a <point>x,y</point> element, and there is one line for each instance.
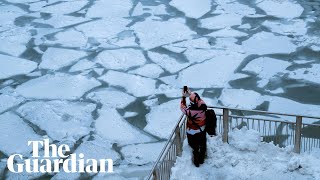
<point>194,98</point>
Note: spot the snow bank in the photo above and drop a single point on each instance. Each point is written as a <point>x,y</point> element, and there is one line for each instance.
<point>247,158</point>
<point>45,87</point>
<point>137,85</point>
<point>62,120</point>
<point>112,127</point>
<point>15,134</point>
<point>192,8</point>
<point>11,66</point>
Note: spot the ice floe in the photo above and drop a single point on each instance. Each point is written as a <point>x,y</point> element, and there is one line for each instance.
<point>15,134</point>
<point>137,85</point>
<point>221,21</point>
<point>162,118</point>
<point>69,38</point>
<point>162,32</point>
<point>142,153</point>
<point>121,59</point>
<point>282,9</point>
<point>166,62</point>
<point>268,44</point>
<point>240,98</point>
<point>109,9</point>
<point>62,120</point>
<point>151,102</point>
<point>112,127</point>
<point>233,7</point>
<point>82,65</point>
<point>60,21</point>
<point>56,58</point>
<point>266,68</point>
<point>45,87</point>
<point>12,48</point>
<point>307,74</point>
<point>227,32</point>
<point>293,27</point>
<point>62,7</point>
<point>111,98</point>
<point>140,9</point>
<point>192,8</point>
<point>11,66</point>
<point>148,70</point>
<point>7,101</point>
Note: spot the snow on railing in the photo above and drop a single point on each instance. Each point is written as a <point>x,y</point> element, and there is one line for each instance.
<point>280,128</point>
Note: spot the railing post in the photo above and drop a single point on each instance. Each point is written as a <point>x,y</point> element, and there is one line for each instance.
<point>179,142</point>
<point>297,140</point>
<point>225,125</point>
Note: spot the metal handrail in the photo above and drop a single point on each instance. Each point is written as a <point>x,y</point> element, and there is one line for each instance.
<point>174,143</point>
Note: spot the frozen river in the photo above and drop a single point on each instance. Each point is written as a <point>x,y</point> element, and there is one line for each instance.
<point>105,76</point>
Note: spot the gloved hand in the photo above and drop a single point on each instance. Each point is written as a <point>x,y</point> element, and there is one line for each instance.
<point>186,94</point>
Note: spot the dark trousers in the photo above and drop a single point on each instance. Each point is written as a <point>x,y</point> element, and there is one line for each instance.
<point>198,143</point>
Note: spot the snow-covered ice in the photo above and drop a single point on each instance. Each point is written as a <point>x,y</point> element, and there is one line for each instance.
<point>70,87</point>
<point>112,98</point>
<point>162,32</point>
<point>15,134</point>
<point>166,62</point>
<point>62,120</point>
<point>268,44</point>
<point>11,66</point>
<point>240,98</point>
<point>56,58</point>
<point>121,59</point>
<point>148,70</point>
<point>162,118</point>
<point>137,85</point>
<point>192,8</point>
<point>142,153</point>
<point>112,127</point>
<point>283,9</point>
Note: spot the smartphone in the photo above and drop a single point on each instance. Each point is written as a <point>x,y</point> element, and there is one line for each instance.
<point>185,89</point>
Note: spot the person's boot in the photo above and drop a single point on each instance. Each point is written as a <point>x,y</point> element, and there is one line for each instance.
<point>196,159</point>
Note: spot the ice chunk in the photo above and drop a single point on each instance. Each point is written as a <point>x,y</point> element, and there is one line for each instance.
<point>142,153</point>
<point>266,68</point>
<point>245,26</point>
<point>11,66</point>
<point>166,62</point>
<point>207,73</point>
<point>307,74</point>
<point>162,32</point>
<point>174,48</point>
<point>69,38</point>
<point>62,120</point>
<point>192,8</point>
<point>8,101</point>
<point>15,134</point>
<point>227,32</point>
<point>169,91</point>
<point>134,84</point>
<point>60,21</point>
<point>199,43</point>
<point>148,70</point>
<point>151,102</point>
<point>293,27</point>
<point>112,127</point>
<point>240,98</point>
<point>82,65</point>
<point>63,7</point>
<point>233,7</point>
<point>268,44</point>
<point>121,59</point>
<point>283,9</point>
<point>56,58</point>
<point>45,87</point>
<point>130,114</point>
<point>161,124</point>
<point>221,21</point>
<point>111,98</point>
<point>139,9</point>
<point>12,48</point>
<point>110,9</point>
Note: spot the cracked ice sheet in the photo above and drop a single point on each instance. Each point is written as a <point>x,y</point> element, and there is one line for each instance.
<point>8,101</point>
<point>162,32</point>
<point>166,62</point>
<point>11,66</point>
<point>192,8</point>
<point>62,120</point>
<point>206,76</point>
<point>267,68</point>
<point>69,38</point>
<point>109,9</point>
<point>142,153</point>
<point>112,127</point>
<point>268,44</point>
<point>307,74</point>
<point>56,58</point>
<point>233,7</point>
<point>148,70</point>
<point>282,9</point>
<point>60,7</point>
<point>15,134</point>
<point>221,21</point>
<point>8,13</point>
<point>111,98</point>
<point>227,32</point>
<point>82,65</point>
<point>59,21</point>
<point>295,27</point>
<point>161,124</point>
<point>70,86</point>
<point>139,10</point>
<point>137,85</point>
<point>121,59</point>
<point>12,48</point>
